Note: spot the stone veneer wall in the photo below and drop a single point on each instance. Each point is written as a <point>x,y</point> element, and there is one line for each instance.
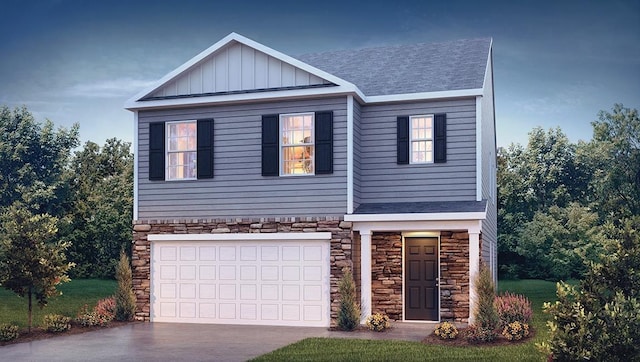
<point>340,255</point>
<point>454,276</point>
<point>386,275</point>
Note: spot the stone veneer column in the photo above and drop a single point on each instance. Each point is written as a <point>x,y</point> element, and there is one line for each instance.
<point>365,275</point>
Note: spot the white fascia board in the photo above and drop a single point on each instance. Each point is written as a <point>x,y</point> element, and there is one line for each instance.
<point>349,154</point>
<point>445,216</point>
<point>367,227</point>
<point>241,97</point>
<point>240,237</point>
<point>424,96</point>
<point>479,148</point>
<point>130,104</point>
<point>135,165</point>
<point>486,71</point>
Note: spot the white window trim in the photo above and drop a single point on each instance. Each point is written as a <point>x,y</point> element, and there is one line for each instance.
<point>166,152</point>
<point>281,146</point>
<point>411,162</point>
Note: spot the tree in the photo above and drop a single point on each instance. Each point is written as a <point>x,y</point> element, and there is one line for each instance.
<point>615,155</point>
<point>101,213</point>
<point>33,158</point>
<point>558,244</point>
<point>125,298</point>
<point>349,313</point>
<point>33,262</point>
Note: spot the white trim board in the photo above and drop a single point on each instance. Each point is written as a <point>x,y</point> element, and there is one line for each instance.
<point>350,154</point>
<point>135,165</point>
<point>446,216</point>
<point>240,237</point>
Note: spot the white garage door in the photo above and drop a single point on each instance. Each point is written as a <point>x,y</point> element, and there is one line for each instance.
<point>271,281</point>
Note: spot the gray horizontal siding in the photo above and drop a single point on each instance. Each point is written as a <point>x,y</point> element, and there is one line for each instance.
<point>383,180</point>
<point>238,188</point>
<point>357,139</point>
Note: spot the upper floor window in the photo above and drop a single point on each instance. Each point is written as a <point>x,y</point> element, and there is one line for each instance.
<point>181,150</point>
<point>421,131</point>
<point>297,144</point>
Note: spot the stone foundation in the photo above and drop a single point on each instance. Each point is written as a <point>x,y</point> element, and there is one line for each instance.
<point>454,276</point>
<point>340,255</point>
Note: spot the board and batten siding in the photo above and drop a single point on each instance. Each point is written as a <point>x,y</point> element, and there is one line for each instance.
<point>238,189</point>
<point>357,139</point>
<point>237,67</point>
<point>383,180</point>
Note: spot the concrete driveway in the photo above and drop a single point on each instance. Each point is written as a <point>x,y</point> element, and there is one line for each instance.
<point>183,342</point>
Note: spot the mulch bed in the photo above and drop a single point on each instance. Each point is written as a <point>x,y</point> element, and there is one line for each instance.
<point>460,341</point>
<point>39,333</point>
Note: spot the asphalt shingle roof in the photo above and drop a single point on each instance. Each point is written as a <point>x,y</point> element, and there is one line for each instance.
<point>414,68</point>
<point>422,207</point>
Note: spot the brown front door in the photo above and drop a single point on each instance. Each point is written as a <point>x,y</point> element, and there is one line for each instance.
<point>421,279</point>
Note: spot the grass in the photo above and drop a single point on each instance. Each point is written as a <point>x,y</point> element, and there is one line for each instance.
<point>336,349</point>
<point>75,294</point>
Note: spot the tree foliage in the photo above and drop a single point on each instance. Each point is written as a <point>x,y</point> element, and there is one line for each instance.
<point>125,298</point>
<point>554,196</point>
<point>102,204</point>
<point>33,262</point>
<point>33,158</point>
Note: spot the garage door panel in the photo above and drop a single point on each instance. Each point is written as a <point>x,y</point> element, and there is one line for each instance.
<point>259,282</point>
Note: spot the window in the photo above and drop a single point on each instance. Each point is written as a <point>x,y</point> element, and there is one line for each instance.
<point>181,150</point>
<point>421,131</point>
<point>297,144</point>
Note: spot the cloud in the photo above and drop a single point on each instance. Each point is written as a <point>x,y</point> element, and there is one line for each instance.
<point>115,88</point>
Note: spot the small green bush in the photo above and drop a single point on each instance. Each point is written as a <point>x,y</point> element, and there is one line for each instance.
<point>56,323</point>
<point>101,315</point>
<point>516,331</point>
<point>477,334</point>
<point>512,308</point>
<point>446,330</point>
<point>486,316</point>
<point>349,313</point>
<point>8,332</point>
<point>125,298</point>
<point>378,322</point>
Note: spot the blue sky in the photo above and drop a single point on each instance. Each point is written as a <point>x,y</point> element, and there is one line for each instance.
<point>556,63</point>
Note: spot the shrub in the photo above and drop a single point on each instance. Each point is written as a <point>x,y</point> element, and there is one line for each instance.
<point>485,312</point>
<point>477,334</point>
<point>349,313</point>
<point>101,315</point>
<point>125,298</point>
<point>446,330</point>
<point>56,323</point>
<point>378,322</point>
<point>516,331</point>
<point>8,332</point>
<point>512,308</point>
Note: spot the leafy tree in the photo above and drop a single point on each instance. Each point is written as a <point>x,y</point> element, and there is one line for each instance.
<point>615,156</point>
<point>33,262</point>
<point>559,243</point>
<point>101,215</point>
<point>125,298</point>
<point>349,313</point>
<point>33,157</point>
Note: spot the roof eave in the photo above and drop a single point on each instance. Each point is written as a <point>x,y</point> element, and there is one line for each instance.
<point>444,216</point>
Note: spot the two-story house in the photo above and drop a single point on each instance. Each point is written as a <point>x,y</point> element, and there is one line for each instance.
<point>260,176</point>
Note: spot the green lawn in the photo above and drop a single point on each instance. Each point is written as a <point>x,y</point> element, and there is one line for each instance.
<point>336,349</point>
<point>75,294</point>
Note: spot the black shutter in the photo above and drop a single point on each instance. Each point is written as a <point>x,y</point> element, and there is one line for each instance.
<point>324,142</point>
<point>440,140</point>
<point>402,136</point>
<point>156,151</point>
<point>205,148</point>
<point>270,158</point>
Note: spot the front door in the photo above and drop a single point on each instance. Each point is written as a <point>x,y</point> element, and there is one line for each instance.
<point>421,279</point>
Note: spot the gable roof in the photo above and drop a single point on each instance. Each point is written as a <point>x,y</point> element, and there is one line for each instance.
<point>239,69</point>
<point>415,68</point>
